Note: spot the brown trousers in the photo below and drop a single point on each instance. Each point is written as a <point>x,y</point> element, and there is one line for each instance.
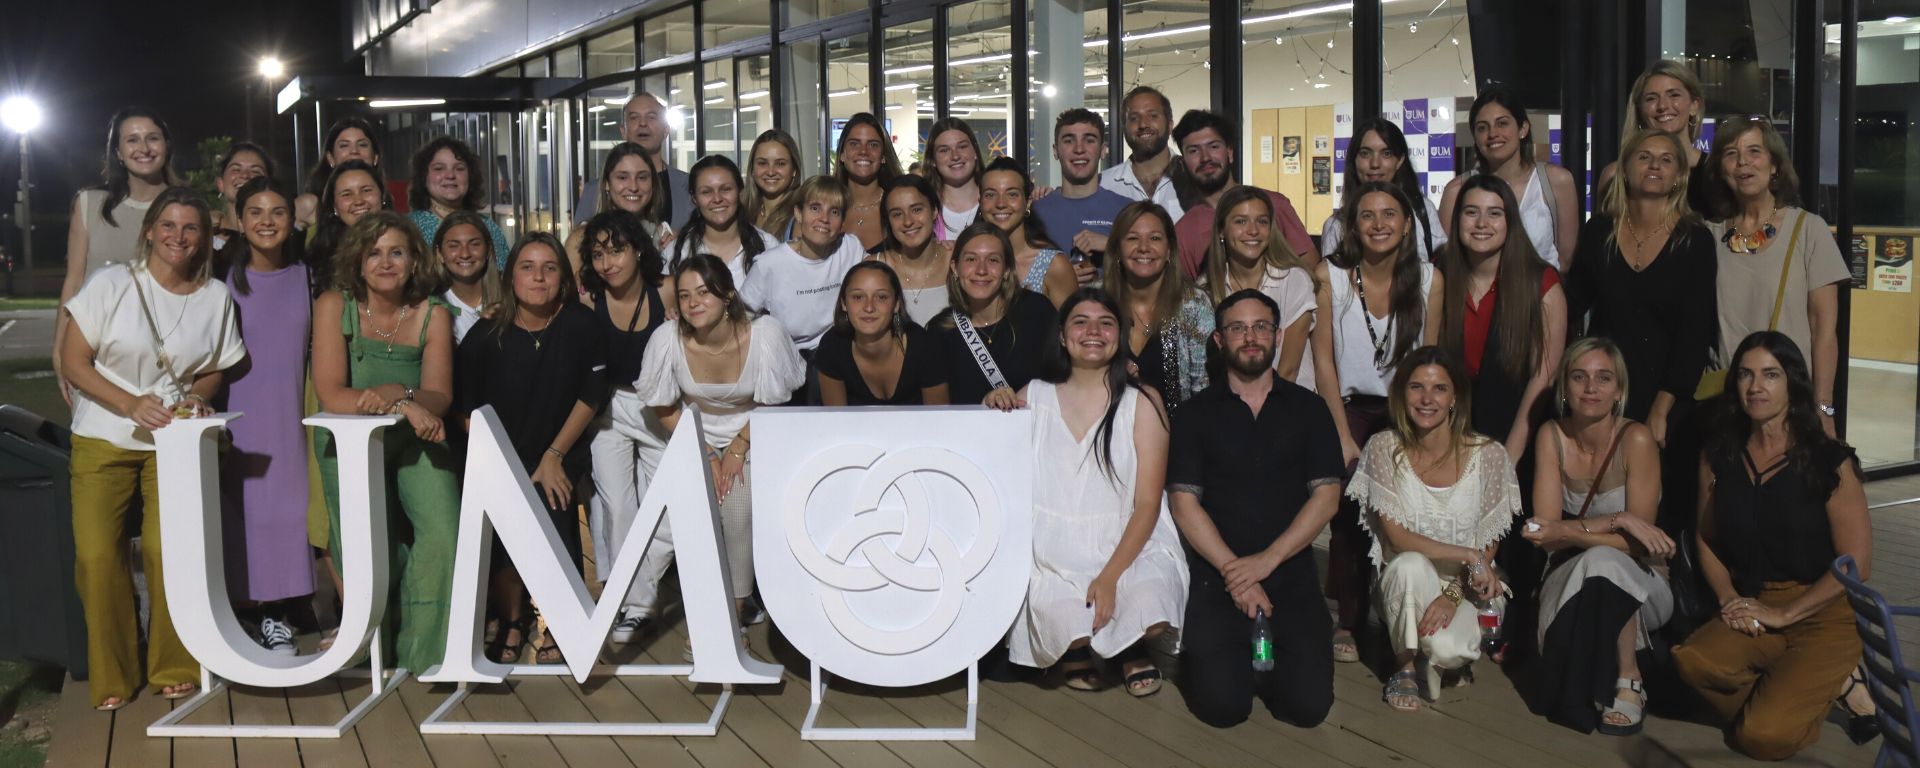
<point>1774,689</point>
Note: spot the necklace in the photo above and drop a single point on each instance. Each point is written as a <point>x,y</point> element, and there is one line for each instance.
<point>863,207</point>
<point>387,334</point>
<point>1640,241</point>
<point>1379,350</point>
<point>539,334</point>
<point>1753,241</point>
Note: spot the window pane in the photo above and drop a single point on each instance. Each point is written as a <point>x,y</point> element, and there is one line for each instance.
<point>756,102</point>
<point>716,107</point>
<point>610,53</point>
<point>566,61</point>
<point>848,89</point>
<point>603,129</point>
<point>1069,70</point>
<point>979,58</point>
<point>1300,110</point>
<point>678,92</point>
<point>726,21</point>
<point>1166,47</point>
<point>909,67</point>
<point>801,94</point>
<point>1883,384</point>
<point>669,34</point>
<point>536,66</point>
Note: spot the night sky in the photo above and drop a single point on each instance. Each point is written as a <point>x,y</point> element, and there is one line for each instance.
<point>191,62</point>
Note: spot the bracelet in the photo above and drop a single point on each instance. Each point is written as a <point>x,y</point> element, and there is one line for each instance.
<point>1452,591</point>
<point>556,452</point>
<point>397,406</point>
<point>409,395</point>
<point>741,454</point>
<point>1583,526</point>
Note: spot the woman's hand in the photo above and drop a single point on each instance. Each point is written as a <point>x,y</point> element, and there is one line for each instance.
<point>551,477</point>
<point>725,474</point>
<point>1004,399</point>
<point>1545,534</point>
<point>148,412</point>
<point>1480,577</point>
<point>1651,538</point>
<point>195,407</point>
<point>1657,424</point>
<point>1438,615</point>
<point>425,425</point>
<point>1752,616</point>
<point>1100,598</point>
<point>1349,452</point>
<point>370,403</point>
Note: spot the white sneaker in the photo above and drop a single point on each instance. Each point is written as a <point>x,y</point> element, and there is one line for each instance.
<point>276,636</point>
<point>628,625</point>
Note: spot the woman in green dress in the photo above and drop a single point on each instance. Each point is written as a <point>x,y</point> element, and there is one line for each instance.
<point>394,355</point>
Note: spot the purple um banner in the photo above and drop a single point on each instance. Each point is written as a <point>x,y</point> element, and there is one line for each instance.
<point>1414,117</point>
<point>1340,155</point>
<point>1440,152</point>
<point>1553,147</point>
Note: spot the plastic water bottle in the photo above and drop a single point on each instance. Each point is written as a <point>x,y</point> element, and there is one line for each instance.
<point>1490,638</point>
<point>1262,642</point>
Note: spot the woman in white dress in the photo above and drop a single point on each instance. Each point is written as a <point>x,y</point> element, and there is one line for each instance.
<point>1596,488</point>
<point>1438,499</point>
<point>1108,569</point>
<point>718,356</point>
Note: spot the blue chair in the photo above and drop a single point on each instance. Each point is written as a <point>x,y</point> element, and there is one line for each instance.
<point>1889,680</point>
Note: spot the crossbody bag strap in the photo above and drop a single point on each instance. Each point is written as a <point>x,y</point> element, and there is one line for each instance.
<point>1786,269</point>
<point>1599,476</point>
<point>981,355</point>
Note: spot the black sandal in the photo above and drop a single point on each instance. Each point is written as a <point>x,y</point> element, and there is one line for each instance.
<point>499,651</point>
<point>1860,728</point>
<point>1082,670</point>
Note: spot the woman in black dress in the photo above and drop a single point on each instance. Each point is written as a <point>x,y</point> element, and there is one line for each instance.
<point>994,334</point>
<point>540,363</point>
<point>1646,271</point>
<point>874,354</point>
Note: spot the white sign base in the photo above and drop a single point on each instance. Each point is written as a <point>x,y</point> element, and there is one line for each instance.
<point>818,689</point>
<point>438,724</point>
<point>172,726</point>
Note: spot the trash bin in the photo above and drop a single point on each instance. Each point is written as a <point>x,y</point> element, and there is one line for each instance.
<point>40,615</point>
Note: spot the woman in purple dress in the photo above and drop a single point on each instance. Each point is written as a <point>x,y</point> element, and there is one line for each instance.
<point>264,482</point>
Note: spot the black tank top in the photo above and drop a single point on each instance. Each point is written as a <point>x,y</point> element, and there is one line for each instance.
<point>625,344</point>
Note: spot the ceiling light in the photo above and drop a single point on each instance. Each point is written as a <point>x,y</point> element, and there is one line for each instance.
<point>392,103</point>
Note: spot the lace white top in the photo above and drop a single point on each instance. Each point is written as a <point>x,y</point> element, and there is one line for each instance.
<point>769,375</point>
<point>1474,512</point>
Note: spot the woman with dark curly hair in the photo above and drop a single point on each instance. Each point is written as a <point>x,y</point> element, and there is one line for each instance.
<point>447,178</point>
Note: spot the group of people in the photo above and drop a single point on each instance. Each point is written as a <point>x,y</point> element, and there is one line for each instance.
<point>1211,390</point>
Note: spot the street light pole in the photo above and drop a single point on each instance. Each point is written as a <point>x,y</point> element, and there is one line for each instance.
<point>26,204</point>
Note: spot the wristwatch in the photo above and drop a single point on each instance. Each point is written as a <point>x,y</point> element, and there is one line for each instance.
<point>1829,410</point>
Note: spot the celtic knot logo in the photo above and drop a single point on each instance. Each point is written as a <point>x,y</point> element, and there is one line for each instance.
<point>893,565</point>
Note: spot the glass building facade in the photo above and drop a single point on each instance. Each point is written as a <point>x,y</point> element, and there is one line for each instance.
<point>1841,78</point>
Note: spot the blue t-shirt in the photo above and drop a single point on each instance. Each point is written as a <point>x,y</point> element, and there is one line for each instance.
<point>1064,217</point>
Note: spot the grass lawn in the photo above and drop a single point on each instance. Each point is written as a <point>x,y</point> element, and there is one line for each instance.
<point>29,384</point>
<point>11,304</point>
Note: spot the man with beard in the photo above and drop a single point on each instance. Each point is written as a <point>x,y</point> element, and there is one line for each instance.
<point>1253,474</point>
<point>1151,172</point>
<point>1207,141</point>
<point>1080,213</point>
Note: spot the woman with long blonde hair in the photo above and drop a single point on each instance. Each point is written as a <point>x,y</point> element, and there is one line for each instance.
<point>1248,252</point>
<point>1667,97</point>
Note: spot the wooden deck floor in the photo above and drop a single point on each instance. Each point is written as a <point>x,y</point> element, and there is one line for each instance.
<point>1020,724</point>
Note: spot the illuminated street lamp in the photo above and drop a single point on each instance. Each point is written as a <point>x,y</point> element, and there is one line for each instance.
<point>21,114</point>
<point>271,68</point>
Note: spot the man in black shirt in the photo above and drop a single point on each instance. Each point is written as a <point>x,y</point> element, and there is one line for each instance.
<point>1253,475</point>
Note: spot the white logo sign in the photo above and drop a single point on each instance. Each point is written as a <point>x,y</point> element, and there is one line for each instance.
<point>890,561</point>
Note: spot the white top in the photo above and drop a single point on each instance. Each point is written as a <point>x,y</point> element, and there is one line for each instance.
<point>1474,512</point>
<point>1537,217</point>
<point>925,304</point>
<point>1352,347</point>
<point>801,291</point>
<point>770,374</point>
<point>736,261</point>
<point>1331,230</point>
<point>464,317</point>
<point>1079,515</point>
<point>1122,180</point>
<point>198,330</point>
<point>954,221</point>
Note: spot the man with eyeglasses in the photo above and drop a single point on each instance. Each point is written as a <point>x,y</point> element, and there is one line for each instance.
<point>1253,474</point>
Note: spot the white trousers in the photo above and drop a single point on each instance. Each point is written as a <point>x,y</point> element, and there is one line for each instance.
<point>1408,584</point>
<point>628,443</point>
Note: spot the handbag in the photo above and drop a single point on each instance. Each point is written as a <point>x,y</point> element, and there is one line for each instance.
<point>1712,383</point>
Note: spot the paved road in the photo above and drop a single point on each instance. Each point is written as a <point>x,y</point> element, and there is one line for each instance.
<point>27,334</point>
